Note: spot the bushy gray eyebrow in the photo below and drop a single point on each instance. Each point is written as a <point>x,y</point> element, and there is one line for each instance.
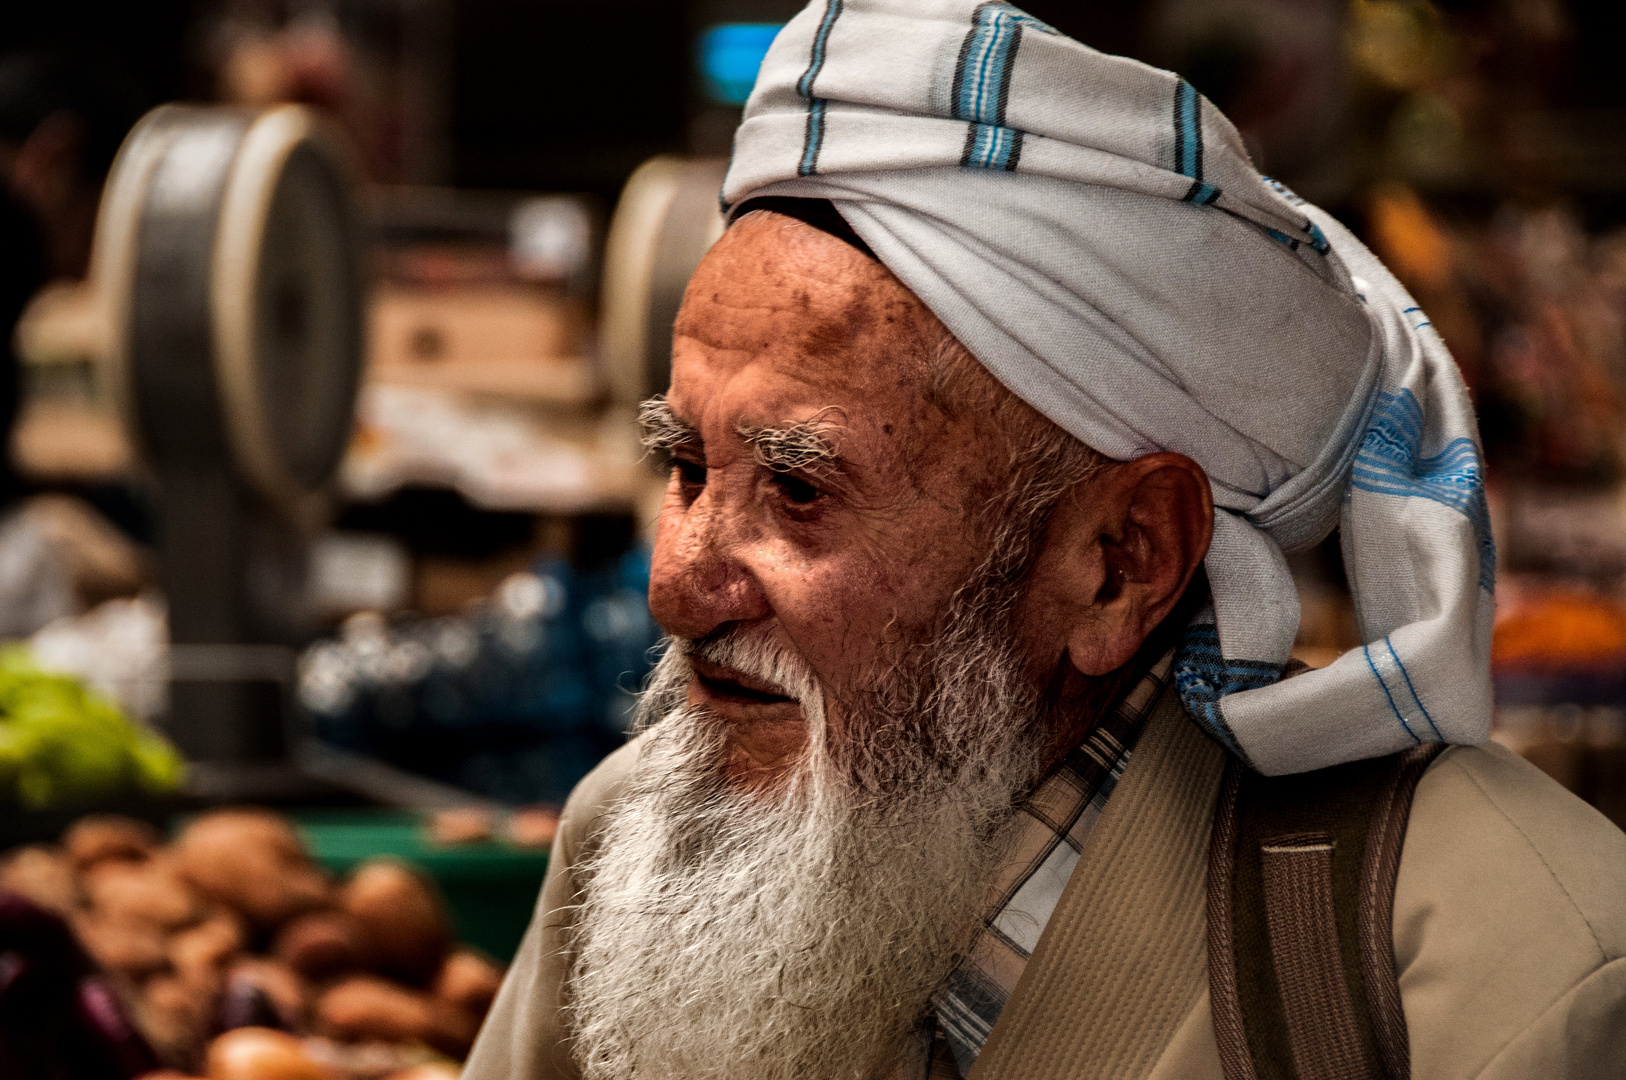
<point>810,446</point>
<point>662,431</point>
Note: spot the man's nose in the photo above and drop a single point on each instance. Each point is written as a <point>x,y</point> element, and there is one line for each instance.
<point>698,581</point>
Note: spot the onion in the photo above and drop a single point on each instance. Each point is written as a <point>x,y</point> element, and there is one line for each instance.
<point>263,1054</point>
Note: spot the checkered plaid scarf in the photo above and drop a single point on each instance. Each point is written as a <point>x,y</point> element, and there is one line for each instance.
<point>1055,821</point>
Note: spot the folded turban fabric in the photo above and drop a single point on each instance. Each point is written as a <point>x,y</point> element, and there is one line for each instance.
<point>1092,230</point>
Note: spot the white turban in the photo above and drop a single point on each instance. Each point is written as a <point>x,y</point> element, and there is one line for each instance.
<point>1092,230</point>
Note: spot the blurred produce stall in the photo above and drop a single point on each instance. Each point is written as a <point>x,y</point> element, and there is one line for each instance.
<point>457,597</point>
<point>332,488</point>
<point>492,486</point>
<point>61,744</point>
<point>230,941</point>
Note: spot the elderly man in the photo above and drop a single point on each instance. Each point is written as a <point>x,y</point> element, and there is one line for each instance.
<point>991,416</point>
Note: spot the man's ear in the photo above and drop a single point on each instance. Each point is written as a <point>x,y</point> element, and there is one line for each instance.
<point>1150,521</point>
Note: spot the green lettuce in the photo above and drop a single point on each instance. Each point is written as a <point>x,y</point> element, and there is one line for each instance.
<point>61,743</point>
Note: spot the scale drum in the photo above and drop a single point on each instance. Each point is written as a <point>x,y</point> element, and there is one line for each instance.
<point>666,220</point>
<point>228,264</point>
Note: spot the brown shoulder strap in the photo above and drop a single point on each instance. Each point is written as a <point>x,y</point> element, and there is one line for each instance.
<point>1301,882</point>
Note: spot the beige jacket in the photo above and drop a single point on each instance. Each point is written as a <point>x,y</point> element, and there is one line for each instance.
<point>1509,931</point>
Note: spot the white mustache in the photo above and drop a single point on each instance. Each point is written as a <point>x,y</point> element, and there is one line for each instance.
<point>758,657</point>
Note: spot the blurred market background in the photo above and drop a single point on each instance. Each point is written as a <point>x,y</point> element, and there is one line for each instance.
<point>416,645</point>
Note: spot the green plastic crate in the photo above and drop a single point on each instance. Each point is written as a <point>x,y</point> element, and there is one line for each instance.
<point>490,887</point>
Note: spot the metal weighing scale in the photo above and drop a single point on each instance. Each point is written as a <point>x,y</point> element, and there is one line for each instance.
<point>228,261</point>
<point>665,221</point>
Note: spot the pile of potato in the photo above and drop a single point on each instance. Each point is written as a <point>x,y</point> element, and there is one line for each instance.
<point>232,926</point>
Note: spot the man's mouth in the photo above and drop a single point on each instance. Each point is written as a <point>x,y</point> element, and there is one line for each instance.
<point>725,684</point>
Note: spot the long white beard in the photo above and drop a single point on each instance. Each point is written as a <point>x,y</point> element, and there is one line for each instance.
<point>799,932</point>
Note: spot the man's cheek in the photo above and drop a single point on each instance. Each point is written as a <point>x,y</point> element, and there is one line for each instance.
<point>814,594</point>
<point>850,640</point>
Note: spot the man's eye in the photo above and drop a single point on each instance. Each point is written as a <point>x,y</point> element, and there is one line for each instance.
<point>689,472</point>
<point>795,488</point>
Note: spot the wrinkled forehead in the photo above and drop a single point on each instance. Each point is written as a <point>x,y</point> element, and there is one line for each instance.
<point>781,315</point>
<point>784,325</point>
